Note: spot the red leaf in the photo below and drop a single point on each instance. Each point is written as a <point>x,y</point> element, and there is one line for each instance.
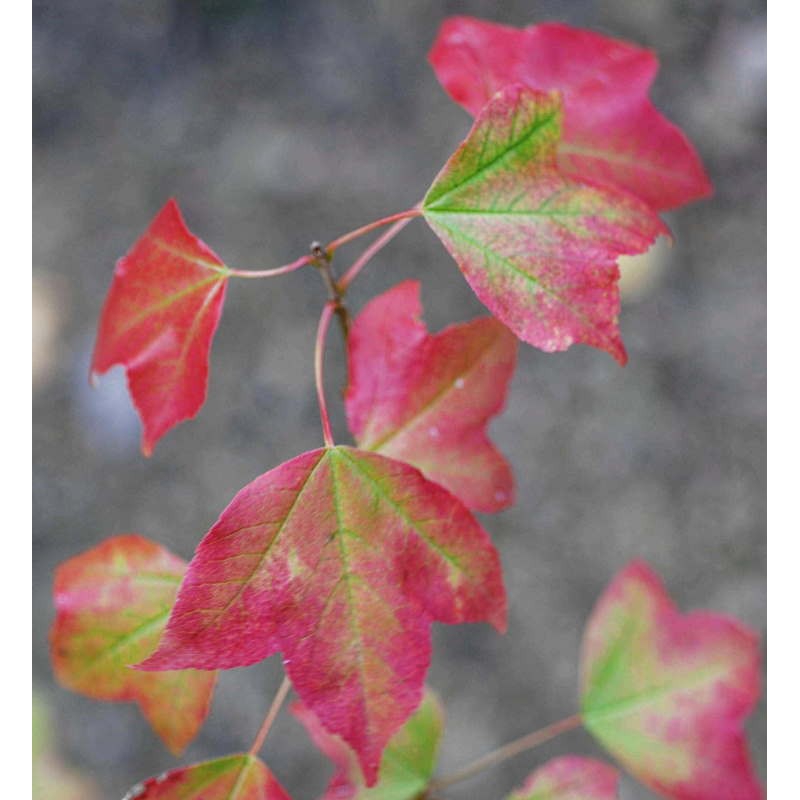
<point>112,604</point>
<point>667,693</point>
<point>426,400</point>
<point>570,778</point>
<point>239,777</point>
<point>539,249</point>
<point>158,322</point>
<point>340,559</point>
<point>612,131</point>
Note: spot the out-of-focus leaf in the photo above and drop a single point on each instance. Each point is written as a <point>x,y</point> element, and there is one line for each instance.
<point>612,131</point>
<point>112,603</point>
<point>570,778</point>
<point>239,777</point>
<point>667,693</point>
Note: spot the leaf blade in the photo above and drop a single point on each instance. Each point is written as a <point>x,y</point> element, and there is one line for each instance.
<point>340,559</point>
<point>158,321</point>
<point>538,248</point>
<point>112,603</point>
<point>667,693</point>
<point>426,399</point>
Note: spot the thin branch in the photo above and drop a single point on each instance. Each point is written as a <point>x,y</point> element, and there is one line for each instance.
<point>272,273</point>
<point>527,742</point>
<point>319,356</point>
<point>328,250</point>
<point>277,702</point>
<point>370,252</point>
<point>333,246</point>
<point>322,261</point>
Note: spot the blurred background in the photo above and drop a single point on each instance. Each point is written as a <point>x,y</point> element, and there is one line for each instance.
<point>276,123</point>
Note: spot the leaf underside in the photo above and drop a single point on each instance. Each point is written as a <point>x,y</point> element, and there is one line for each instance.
<point>112,604</point>
<point>238,777</point>
<point>340,559</point>
<point>667,693</point>
<point>408,762</point>
<point>612,131</point>
<point>427,399</point>
<point>158,321</point>
<point>539,248</point>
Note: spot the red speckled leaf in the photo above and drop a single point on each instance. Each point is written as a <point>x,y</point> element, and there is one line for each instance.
<point>612,131</point>
<point>667,693</point>
<point>538,248</point>
<point>158,322</point>
<point>340,559</point>
<point>239,777</point>
<point>570,778</point>
<point>408,761</point>
<point>112,604</point>
<point>426,400</point>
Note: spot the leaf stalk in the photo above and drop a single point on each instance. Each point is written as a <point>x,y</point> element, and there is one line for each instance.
<point>274,708</point>
<point>527,742</point>
<point>319,356</point>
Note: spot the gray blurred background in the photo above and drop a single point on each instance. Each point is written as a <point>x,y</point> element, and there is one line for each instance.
<point>275,123</point>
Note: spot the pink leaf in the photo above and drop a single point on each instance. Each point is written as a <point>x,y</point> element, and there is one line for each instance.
<point>239,777</point>
<point>570,778</point>
<point>158,321</point>
<point>340,559</point>
<point>612,131</point>
<point>538,248</point>
<point>427,400</point>
<point>667,693</point>
<point>112,603</point>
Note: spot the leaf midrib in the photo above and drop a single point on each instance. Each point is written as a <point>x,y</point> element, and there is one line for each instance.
<point>635,702</point>
<point>399,511</point>
<point>538,124</point>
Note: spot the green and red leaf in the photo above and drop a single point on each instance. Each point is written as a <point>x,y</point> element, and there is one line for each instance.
<point>427,400</point>
<point>612,131</point>
<point>570,778</point>
<point>112,603</point>
<point>340,559</point>
<point>408,762</point>
<point>538,248</point>
<point>667,693</point>
<point>158,321</point>
<point>239,777</point>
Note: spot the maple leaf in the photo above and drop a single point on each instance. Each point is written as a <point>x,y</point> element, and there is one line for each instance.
<point>426,400</point>
<point>158,321</point>
<point>340,559</point>
<point>666,694</point>
<point>112,603</point>
<point>538,248</point>
<point>570,778</point>
<point>408,761</point>
<point>612,131</point>
<point>237,777</point>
